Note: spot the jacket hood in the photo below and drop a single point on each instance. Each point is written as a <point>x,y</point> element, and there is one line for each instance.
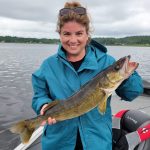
<point>99,46</point>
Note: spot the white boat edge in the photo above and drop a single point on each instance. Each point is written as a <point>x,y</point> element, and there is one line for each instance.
<point>37,133</point>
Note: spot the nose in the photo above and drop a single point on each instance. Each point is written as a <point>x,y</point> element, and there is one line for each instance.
<point>73,39</point>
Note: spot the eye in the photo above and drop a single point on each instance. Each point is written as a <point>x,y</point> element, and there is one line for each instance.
<point>79,33</point>
<point>66,33</point>
<point>117,67</point>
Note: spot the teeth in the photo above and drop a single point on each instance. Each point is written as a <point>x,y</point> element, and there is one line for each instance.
<point>73,46</point>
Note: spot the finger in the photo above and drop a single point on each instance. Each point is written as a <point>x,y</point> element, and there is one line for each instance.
<point>54,120</point>
<point>43,123</point>
<point>42,113</point>
<point>42,110</point>
<point>49,120</point>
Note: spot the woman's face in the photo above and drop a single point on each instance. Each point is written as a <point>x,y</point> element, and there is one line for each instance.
<point>74,37</point>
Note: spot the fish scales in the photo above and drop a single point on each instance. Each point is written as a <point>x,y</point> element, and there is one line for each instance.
<point>83,101</point>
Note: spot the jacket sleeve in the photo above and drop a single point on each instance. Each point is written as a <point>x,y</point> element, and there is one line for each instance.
<point>130,88</point>
<point>41,94</point>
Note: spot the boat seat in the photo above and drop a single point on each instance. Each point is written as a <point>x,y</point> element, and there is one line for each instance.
<point>130,122</point>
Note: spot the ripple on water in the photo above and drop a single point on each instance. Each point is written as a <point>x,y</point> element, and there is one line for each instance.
<point>4,97</point>
<point>4,71</point>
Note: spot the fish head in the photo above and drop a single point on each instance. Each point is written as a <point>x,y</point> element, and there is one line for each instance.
<point>121,70</point>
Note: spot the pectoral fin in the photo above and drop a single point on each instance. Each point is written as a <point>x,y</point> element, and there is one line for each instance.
<point>102,105</point>
<point>50,105</point>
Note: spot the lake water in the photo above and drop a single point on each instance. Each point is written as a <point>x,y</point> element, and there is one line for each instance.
<point>18,61</point>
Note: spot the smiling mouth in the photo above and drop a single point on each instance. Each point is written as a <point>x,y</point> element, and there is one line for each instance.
<point>73,46</point>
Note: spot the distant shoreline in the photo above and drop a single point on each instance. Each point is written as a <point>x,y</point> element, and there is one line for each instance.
<point>126,41</point>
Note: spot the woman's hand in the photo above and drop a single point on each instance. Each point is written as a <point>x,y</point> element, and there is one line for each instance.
<point>50,120</point>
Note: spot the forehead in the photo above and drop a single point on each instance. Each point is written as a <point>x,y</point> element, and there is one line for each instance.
<point>73,26</point>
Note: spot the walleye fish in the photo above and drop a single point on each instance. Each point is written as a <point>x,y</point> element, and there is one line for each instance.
<point>93,94</point>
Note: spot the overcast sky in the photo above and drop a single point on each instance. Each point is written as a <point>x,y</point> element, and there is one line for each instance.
<point>110,18</point>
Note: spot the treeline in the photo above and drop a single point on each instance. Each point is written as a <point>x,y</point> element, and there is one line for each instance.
<point>131,41</point>
<point>10,39</point>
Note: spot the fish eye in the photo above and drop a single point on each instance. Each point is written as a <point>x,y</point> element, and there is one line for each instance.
<point>117,67</point>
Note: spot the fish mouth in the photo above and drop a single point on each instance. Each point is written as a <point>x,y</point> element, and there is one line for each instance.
<point>129,66</point>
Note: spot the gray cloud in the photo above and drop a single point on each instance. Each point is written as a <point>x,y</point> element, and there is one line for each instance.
<point>36,18</point>
<point>34,10</point>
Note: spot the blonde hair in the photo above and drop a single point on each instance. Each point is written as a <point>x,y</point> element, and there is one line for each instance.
<point>81,19</point>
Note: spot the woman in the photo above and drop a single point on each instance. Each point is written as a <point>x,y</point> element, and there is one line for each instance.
<point>76,62</point>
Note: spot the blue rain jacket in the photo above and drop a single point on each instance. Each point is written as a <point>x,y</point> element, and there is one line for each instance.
<point>57,79</point>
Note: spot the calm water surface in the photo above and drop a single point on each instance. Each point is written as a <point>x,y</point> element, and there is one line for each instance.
<point>18,61</point>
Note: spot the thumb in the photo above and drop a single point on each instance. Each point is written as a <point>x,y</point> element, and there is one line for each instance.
<point>42,109</point>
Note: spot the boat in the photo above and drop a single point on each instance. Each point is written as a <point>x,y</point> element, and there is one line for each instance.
<point>141,103</point>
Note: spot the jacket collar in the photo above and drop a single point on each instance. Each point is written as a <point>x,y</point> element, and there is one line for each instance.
<point>61,52</point>
<point>90,61</point>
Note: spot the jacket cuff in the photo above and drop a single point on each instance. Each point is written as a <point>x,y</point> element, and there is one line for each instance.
<point>37,106</point>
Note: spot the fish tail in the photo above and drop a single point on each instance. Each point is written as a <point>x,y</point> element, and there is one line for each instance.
<point>24,129</point>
